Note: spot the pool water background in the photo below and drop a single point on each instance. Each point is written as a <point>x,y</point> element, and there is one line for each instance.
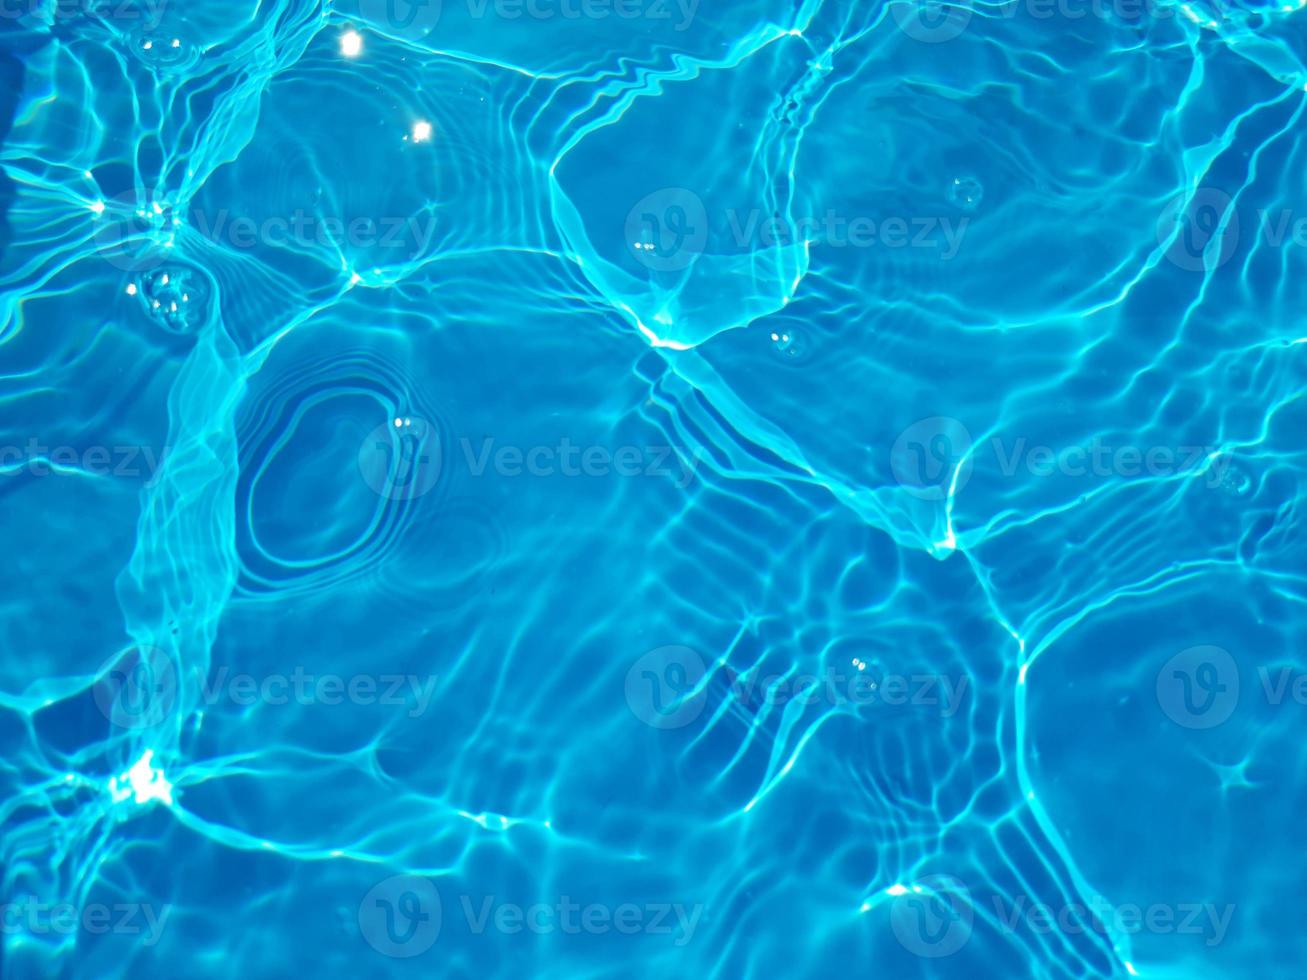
<point>936,555</point>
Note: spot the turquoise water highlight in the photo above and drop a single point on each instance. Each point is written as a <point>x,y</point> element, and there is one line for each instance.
<point>585,489</point>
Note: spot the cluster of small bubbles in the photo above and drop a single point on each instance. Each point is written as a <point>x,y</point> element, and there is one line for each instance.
<point>966,192</point>
<point>159,214</point>
<point>133,236</point>
<point>175,296</point>
<point>789,344</point>
<point>1235,480</point>
<point>163,50</point>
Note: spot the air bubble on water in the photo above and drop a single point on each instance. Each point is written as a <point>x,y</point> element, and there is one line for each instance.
<point>966,192</point>
<point>178,297</point>
<point>1235,480</point>
<point>789,343</point>
<point>164,51</point>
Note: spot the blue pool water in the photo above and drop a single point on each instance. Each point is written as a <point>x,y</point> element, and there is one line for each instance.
<point>659,488</point>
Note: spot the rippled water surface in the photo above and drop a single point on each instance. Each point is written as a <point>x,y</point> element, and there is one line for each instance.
<point>661,488</point>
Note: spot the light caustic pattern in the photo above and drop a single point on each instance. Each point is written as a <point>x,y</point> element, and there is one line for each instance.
<point>658,489</point>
